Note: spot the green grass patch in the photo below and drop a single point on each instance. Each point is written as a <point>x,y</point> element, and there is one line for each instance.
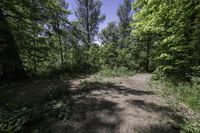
<point>189,93</point>
<point>115,72</point>
<point>189,127</point>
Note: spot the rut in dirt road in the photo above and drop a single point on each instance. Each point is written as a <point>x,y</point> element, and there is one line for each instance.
<point>126,105</point>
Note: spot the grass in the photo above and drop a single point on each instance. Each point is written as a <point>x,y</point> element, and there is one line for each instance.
<point>186,92</point>
<point>115,72</point>
<point>189,93</point>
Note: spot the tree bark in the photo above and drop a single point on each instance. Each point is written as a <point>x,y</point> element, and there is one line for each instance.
<point>9,57</point>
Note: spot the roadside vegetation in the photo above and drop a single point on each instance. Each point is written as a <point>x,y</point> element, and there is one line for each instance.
<point>29,106</point>
<point>41,50</point>
<point>183,97</point>
<point>116,72</point>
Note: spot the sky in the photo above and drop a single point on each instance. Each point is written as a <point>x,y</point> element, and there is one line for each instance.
<point>109,8</point>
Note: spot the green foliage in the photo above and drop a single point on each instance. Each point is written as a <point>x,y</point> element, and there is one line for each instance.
<point>110,34</point>
<point>186,92</point>
<point>124,13</point>
<point>196,71</point>
<point>113,56</point>
<point>116,72</point>
<point>95,84</point>
<point>109,55</point>
<point>94,58</point>
<point>170,29</point>
<point>89,16</point>
<point>38,102</point>
<point>13,122</point>
<point>59,109</point>
<point>189,94</point>
<point>190,127</point>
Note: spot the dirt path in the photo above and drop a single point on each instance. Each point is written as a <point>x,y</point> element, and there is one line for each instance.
<point>127,105</point>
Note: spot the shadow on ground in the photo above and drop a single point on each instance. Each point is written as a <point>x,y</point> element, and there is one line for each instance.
<point>162,111</point>
<point>93,113</point>
<point>89,87</point>
<point>94,116</point>
<point>157,128</point>
<point>47,100</point>
<point>151,107</point>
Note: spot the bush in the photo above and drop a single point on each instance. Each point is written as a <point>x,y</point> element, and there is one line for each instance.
<point>116,72</point>
<point>158,75</point>
<point>14,121</point>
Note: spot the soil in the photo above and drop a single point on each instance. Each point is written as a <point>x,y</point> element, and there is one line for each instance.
<point>118,105</point>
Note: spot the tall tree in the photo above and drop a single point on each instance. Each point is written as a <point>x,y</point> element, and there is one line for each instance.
<point>110,33</point>
<point>124,13</point>
<point>176,38</point>
<point>9,56</point>
<point>60,26</point>
<point>89,15</point>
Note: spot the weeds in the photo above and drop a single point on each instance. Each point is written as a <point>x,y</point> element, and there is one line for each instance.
<point>34,104</point>
<point>116,72</point>
<point>189,93</point>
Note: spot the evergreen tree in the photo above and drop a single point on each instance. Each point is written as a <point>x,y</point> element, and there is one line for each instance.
<point>89,16</point>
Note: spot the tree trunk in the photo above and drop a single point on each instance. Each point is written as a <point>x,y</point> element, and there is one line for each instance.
<point>9,57</point>
<point>148,52</point>
<point>88,27</point>
<point>61,52</point>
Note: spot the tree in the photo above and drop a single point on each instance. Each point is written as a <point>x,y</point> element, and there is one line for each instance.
<point>9,56</point>
<point>30,23</point>
<point>110,33</point>
<point>60,25</point>
<point>173,27</point>
<point>89,16</point>
<point>124,13</point>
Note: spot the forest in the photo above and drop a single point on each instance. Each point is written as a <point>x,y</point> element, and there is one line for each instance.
<point>140,74</point>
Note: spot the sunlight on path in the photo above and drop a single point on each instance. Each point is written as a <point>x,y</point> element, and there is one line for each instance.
<point>125,106</point>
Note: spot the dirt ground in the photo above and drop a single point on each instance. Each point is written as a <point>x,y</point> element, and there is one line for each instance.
<point>118,105</point>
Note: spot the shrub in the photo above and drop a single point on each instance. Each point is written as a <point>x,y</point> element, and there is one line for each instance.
<point>116,72</point>
<point>14,121</point>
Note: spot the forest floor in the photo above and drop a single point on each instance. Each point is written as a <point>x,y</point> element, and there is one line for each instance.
<point>94,104</point>
<point>119,105</point>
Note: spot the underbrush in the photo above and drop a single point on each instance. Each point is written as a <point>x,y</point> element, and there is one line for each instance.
<point>33,107</point>
<point>115,72</point>
<point>187,92</point>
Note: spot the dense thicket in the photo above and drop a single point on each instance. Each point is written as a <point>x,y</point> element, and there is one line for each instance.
<point>168,32</point>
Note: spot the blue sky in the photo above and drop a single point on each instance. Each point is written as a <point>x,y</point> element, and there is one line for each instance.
<point>109,8</point>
